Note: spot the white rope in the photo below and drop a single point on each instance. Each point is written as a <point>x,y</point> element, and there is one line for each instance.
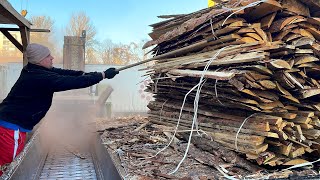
<point>181,131</point>
<point>156,84</point>
<point>224,174</point>
<point>216,92</point>
<point>167,77</point>
<point>261,176</point>
<point>214,35</point>
<point>196,106</point>
<point>204,133</point>
<point>236,10</point>
<point>302,165</point>
<point>237,3</point>
<point>162,109</point>
<point>196,102</point>
<point>176,128</point>
<point>245,120</point>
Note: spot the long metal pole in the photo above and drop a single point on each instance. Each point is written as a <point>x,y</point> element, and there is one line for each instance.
<point>137,63</point>
<point>168,55</point>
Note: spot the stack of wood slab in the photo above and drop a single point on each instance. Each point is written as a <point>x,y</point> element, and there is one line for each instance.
<point>261,77</point>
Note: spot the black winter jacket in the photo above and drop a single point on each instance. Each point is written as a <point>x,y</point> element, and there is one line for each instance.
<point>31,96</point>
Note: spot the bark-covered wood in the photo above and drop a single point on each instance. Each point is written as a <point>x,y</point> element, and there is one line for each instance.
<point>260,77</point>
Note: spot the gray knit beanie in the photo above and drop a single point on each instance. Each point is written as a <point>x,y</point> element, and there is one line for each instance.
<point>36,53</point>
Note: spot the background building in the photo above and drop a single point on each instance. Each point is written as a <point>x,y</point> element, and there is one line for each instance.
<point>8,51</point>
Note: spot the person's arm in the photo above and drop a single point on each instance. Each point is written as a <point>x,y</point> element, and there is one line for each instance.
<point>67,72</point>
<point>64,83</point>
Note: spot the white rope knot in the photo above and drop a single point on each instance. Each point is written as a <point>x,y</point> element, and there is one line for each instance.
<point>196,103</point>
<point>245,120</point>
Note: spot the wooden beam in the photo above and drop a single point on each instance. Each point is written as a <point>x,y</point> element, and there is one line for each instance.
<point>305,93</point>
<point>11,15</point>
<point>31,30</point>
<point>12,39</point>
<point>295,162</point>
<point>207,74</point>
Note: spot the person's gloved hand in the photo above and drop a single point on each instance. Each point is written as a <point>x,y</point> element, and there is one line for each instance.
<point>110,73</point>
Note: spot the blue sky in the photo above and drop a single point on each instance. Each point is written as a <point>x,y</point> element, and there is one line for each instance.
<point>122,21</point>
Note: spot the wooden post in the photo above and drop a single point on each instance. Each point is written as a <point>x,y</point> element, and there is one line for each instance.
<point>25,37</point>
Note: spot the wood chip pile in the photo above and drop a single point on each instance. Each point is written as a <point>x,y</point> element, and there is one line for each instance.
<point>254,65</point>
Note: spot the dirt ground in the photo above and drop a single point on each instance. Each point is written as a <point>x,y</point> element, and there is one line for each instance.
<point>133,144</point>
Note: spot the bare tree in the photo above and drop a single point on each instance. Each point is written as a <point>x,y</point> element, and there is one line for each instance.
<point>105,51</point>
<point>120,54</point>
<point>41,22</point>
<point>79,22</point>
<point>45,38</point>
<point>91,56</point>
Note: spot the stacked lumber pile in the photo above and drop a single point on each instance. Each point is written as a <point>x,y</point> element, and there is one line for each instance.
<point>254,65</point>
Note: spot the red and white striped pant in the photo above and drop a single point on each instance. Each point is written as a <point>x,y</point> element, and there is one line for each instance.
<point>11,144</point>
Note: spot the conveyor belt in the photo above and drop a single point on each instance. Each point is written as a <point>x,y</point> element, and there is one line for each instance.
<point>62,164</point>
<point>38,162</point>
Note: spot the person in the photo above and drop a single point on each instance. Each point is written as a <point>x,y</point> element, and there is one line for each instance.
<point>31,96</point>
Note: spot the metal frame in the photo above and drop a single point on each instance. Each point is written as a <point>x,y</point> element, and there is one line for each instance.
<point>104,164</point>
<point>32,160</point>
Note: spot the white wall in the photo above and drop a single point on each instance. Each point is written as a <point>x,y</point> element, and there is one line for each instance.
<point>128,94</point>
